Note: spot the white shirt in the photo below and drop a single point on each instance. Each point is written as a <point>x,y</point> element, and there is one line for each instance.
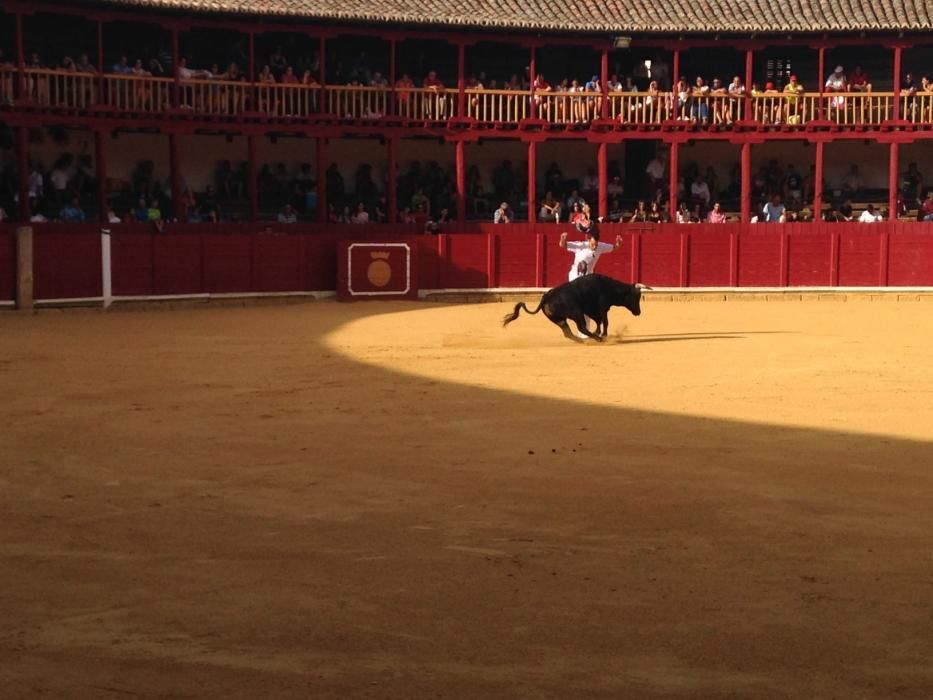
<point>655,169</point>
<point>868,218</point>
<point>59,178</point>
<point>585,258</point>
<point>700,190</point>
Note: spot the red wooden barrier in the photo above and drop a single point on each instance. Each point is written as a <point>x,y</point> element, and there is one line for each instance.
<point>196,258</point>
<point>66,265</point>
<point>7,265</point>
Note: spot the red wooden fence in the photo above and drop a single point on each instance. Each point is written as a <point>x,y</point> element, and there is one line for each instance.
<point>248,258</point>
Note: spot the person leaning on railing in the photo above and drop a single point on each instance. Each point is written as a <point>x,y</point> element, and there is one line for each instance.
<point>793,92</point>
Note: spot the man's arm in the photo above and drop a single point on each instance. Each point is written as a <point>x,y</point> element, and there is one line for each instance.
<point>563,240</point>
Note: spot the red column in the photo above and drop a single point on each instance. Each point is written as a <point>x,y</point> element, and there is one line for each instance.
<point>602,174</point>
<point>175,167</point>
<point>20,57</point>
<point>818,184</point>
<point>100,62</point>
<point>674,78</point>
<point>532,76</point>
<point>22,168</point>
<point>461,81</point>
<point>604,84</point>
<point>100,161</point>
<point>322,177</point>
<point>176,88</point>
<point>251,71</point>
<point>746,203</point>
<point>323,80</point>
<point>460,169</point>
<point>391,181</point>
<point>392,79</point>
<point>821,67</point>
<point>672,182</point>
<point>893,173</point>
<point>897,83</point>
<point>532,193</point>
<point>251,175</point>
<point>749,78</point>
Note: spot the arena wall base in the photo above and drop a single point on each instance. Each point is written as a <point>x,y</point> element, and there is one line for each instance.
<point>678,294</point>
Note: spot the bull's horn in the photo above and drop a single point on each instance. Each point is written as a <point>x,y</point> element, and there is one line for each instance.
<point>639,285</point>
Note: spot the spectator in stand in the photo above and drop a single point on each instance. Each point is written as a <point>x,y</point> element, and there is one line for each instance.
<point>912,185</point>
<point>717,215</point>
<point>289,77</point>
<point>926,209</point>
<point>538,91</point>
<point>793,91</point>
<point>436,225</point>
<point>503,214</point>
<point>870,216</point>
<point>288,215</point>
<point>141,212</point>
<point>361,216</point>
<point>154,213</point>
<point>773,211</point>
<point>84,65</point>
<point>122,66</point>
<point>793,188</point>
<point>852,183</point>
<point>550,210</point>
<point>615,212</point>
<point>576,213</point>
<point>908,93</point>
<point>277,62</point>
<point>590,184</point>
<point>615,188</point>
<point>435,101</point>
<point>112,217</point>
<point>683,214</point>
<point>655,172</point>
<point>735,90</point>
<point>403,88</point>
<point>72,213</point>
<point>837,83</point>
<point>574,199</point>
<point>859,81</point>
<point>699,192</point>
<point>640,215</point>
<point>656,214</point>
<point>308,79</point>
<point>405,216</point>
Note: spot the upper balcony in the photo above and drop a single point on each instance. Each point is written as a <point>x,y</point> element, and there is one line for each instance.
<point>132,97</point>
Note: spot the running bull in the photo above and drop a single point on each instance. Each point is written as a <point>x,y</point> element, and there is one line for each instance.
<point>588,296</point>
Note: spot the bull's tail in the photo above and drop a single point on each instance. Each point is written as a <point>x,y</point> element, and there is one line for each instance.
<point>517,310</point>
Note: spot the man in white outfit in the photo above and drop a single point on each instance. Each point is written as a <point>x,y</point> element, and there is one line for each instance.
<point>586,253</point>
<point>585,256</point>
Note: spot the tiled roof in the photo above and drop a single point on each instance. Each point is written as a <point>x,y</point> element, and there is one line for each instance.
<point>678,16</point>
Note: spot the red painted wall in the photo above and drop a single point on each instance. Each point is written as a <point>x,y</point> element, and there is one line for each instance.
<point>7,266</point>
<point>200,259</point>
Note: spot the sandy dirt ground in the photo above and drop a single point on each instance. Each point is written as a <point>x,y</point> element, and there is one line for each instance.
<point>408,501</point>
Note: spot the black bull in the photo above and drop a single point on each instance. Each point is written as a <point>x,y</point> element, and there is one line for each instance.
<point>587,296</point>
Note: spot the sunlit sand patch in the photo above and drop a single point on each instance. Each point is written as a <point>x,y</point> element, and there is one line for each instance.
<point>806,364</point>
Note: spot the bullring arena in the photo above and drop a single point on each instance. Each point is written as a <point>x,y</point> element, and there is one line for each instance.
<point>265,434</point>
<point>405,500</point>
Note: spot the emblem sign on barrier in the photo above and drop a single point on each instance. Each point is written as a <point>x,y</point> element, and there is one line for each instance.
<point>376,270</point>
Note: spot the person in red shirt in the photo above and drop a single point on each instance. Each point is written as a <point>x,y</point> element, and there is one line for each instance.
<point>435,101</point>
<point>858,81</point>
<point>541,86</point>
<point>926,210</point>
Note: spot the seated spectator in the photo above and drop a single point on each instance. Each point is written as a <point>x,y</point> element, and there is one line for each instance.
<point>72,213</point>
<point>655,173</point>
<point>435,102</point>
<point>141,212</point>
<point>378,80</point>
<point>859,81</point>
<point>154,213</point>
<point>361,216</point>
<point>793,187</point>
<point>550,210</point>
<point>503,214</point>
<point>615,188</point>
<point>656,215</point>
<point>683,214</point>
<point>289,77</point>
<point>288,215</point>
<point>717,215</point>
<point>640,215</point>
<point>870,216</point>
<point>436,225</point>
<point>773,211</point>
<point>576,214</point>
<point>421,216</point>
<point>84,65</point>
<point>615,212</point>
<point>122,66</point>
<point>926,209</point>
<point>112,217</point>
<point>837,83</point>
<point>574,198</point>
<point>419,199</point>
<point>699,102</point>
<point>406,217</point>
